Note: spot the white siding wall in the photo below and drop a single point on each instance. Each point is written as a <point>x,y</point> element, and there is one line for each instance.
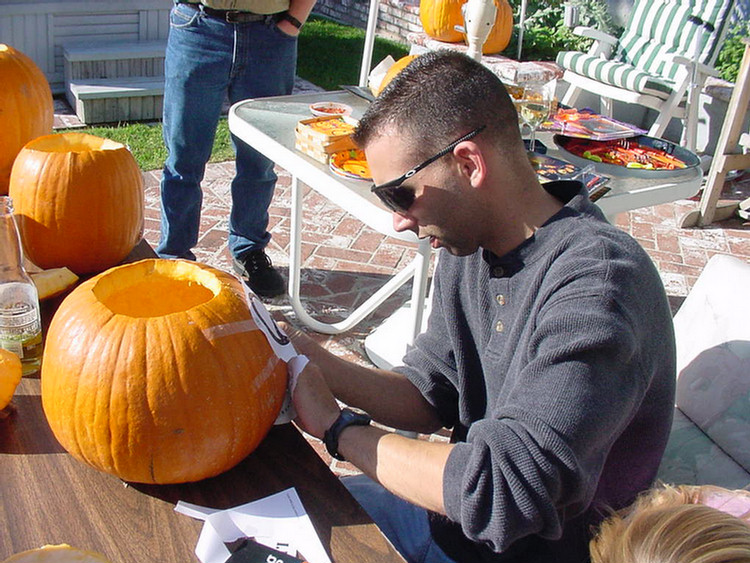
<point>39,29</point>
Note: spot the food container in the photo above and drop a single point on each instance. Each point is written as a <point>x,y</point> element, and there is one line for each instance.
<point>319,137</point>
<point>323,109</point>
<point>350,164</point>
<point>689,159</point>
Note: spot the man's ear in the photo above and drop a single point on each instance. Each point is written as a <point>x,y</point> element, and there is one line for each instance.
<point>472,162</point>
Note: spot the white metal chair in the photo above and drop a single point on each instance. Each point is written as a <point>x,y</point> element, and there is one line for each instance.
<point>710,438</point>
<point>663,57</point>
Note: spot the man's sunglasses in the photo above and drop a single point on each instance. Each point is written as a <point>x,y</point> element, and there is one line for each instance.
<point>399,198</point>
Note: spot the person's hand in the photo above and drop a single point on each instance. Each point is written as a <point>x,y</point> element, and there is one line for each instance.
<point>288,28</point>
<point>316,406</point>
<point>303,344</point>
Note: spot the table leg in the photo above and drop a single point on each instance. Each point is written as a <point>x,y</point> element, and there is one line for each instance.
<point>418,266</point>
<point>387,344</point>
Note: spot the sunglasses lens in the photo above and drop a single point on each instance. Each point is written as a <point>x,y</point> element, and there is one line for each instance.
<point>398,199</point>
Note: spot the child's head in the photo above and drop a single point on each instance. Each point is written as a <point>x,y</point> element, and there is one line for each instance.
<point>678,525</point>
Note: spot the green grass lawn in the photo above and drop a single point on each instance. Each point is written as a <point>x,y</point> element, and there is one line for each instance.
<point>329,55</point>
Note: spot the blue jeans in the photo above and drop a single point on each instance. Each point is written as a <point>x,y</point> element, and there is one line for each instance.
<point>207,60</point>
<point>404,524</point>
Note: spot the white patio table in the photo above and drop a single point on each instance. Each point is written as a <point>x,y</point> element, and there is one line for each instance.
<point>268,124</point>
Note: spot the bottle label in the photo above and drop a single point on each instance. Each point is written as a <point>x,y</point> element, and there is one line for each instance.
<point>17,329</point>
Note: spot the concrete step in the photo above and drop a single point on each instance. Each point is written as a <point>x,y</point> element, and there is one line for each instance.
<point>117,99</point>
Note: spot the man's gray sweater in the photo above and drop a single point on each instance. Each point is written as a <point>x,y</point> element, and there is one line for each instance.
<point>554,365</point>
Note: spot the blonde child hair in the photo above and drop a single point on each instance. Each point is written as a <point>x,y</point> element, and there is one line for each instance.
<point>682,524</point>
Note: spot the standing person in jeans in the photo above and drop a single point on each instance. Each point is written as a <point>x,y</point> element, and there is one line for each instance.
<point>549,349</point>
<point>218,48</point>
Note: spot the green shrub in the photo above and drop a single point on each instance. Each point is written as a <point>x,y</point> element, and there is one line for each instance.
<point>730,56</point>
<point>330,53</point>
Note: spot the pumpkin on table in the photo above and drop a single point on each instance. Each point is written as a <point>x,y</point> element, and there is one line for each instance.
<point>26,107</point>
<point>155,372</point>
<point>79,201</point>
<point>440,17</point>
<point>391,73</point>
<point>11,372</point>
<point>62,553</point>
<point>499,36</point>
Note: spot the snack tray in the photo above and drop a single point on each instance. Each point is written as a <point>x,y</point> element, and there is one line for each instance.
<point>690,159</point>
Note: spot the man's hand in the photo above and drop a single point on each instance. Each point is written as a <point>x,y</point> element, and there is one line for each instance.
<point>288,28</point>
<point>302,343</point>
<point>316,406</point>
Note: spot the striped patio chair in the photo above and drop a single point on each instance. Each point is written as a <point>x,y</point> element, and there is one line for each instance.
<point>666,52</point>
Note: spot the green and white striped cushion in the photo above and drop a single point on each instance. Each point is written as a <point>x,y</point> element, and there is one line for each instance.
<point>656,29</point>
<point>615,73</point>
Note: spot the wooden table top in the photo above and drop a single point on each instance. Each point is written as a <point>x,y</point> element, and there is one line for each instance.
<point>48,497</point>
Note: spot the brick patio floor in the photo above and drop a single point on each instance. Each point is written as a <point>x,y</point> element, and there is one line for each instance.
<point>345,261</point>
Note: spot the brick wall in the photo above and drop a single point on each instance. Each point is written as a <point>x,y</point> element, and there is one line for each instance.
<point>396,18</point>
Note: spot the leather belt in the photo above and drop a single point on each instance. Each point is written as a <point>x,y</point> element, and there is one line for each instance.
<point>229,16</point>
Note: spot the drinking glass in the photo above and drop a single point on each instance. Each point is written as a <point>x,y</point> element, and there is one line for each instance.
<point>536,106</point>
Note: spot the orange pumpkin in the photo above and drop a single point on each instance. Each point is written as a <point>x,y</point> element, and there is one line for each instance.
<point>391,73</point>
<point>439,18</point>
<point>499,36</point>
<point>155,372</point>
<point>10,376</point>
<point>61,553</point>
<point>78,200</point>
<point>26,108</point>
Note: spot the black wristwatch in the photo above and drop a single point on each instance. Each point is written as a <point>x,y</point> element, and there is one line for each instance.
<point>291,19</point>
<point>347,417</point>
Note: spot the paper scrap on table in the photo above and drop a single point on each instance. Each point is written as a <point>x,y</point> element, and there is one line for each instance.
<point>378,73</point>
<point>283,348</point>
<point>278,521</point>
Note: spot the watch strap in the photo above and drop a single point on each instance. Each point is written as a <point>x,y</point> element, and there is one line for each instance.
<point>291,19</point>
<point>347,417</point>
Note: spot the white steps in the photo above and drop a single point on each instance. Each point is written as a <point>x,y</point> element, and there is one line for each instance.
<point>115,81</point>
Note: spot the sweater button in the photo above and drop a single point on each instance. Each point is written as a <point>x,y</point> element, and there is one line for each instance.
<point>500,299</point>
<point>498,271</point>
<point>499,326</point>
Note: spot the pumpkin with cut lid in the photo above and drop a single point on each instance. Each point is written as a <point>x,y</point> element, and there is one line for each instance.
<point>26,107</point>
<point>156,372</point>
<point>79,201</point>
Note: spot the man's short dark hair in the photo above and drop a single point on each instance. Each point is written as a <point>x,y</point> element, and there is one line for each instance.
<point>438,97</point>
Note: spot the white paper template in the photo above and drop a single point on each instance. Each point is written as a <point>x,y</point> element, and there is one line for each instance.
<point>278,521</point>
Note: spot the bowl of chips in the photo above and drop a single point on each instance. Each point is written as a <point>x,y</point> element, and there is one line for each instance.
<point>350,164</point>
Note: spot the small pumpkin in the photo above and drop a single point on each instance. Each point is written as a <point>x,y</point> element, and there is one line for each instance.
<point>439,18</point>
<point>11,371</point>
<point>26,107</point>
<point>78,200</point>
<point>391,73</point>
<point>499,36</point>
<point>61,553</point>
<point>156,372</point>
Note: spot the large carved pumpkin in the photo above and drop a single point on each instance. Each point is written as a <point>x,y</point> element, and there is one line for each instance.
<point>499,36</point>
<point>439,18</point>
<point>26,108</point>
<point>78,200</point>
<point>155,372</point>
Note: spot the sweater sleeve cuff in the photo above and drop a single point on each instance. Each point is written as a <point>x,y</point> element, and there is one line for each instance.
<point>453,477</point>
